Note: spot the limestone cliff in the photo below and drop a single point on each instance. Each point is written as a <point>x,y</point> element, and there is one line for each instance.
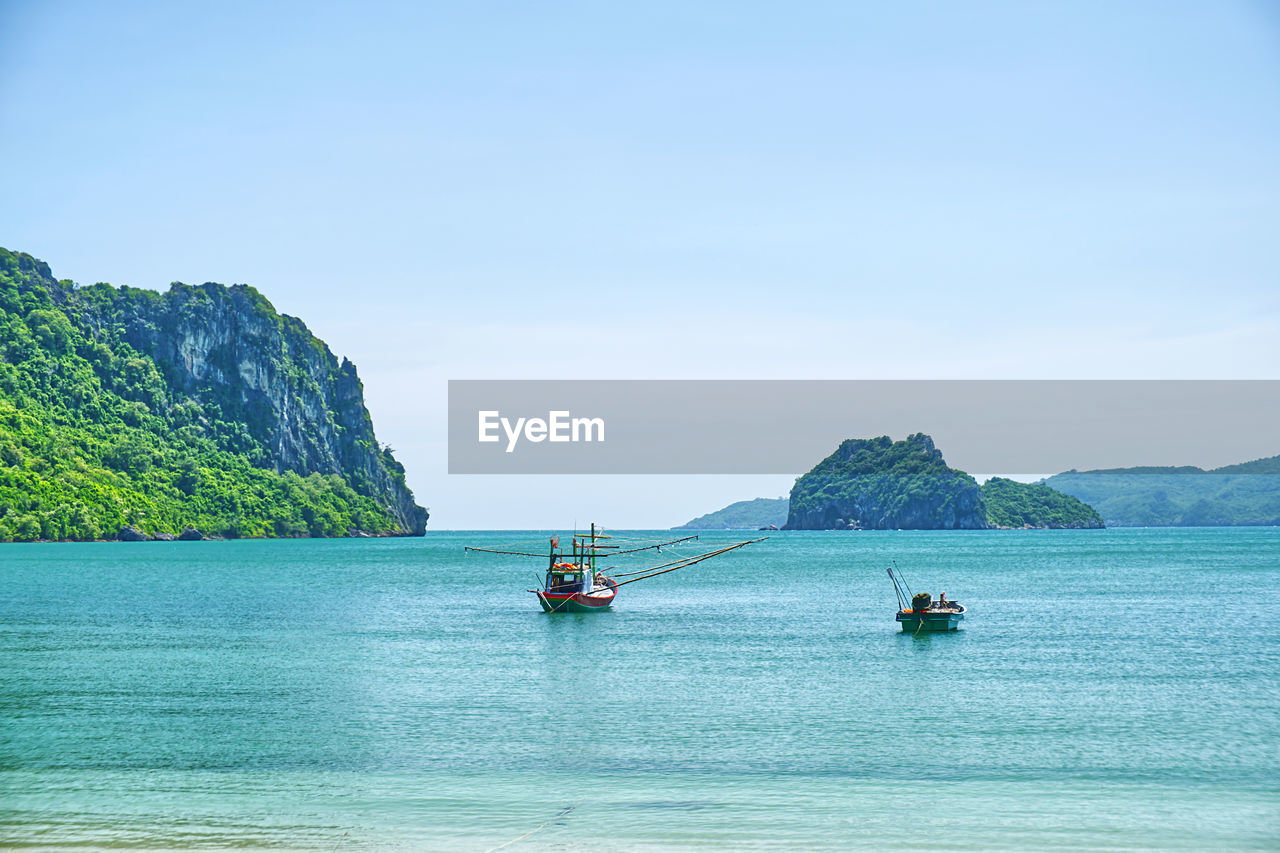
<point>201,406</point>
<point>228,348</point>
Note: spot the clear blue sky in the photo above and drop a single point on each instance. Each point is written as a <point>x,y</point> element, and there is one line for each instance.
<point>724,190</point>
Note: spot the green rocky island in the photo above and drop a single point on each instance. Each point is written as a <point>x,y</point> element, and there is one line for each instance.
<point>881,484</point>
<point>134,414</point>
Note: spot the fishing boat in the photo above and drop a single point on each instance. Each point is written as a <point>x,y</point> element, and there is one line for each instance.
<point>574,581</point>
<point>575,586</point>
<point>925,613</point>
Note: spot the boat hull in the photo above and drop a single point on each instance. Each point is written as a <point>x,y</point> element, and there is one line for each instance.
<point>576,602</point>
<point>913,622</point>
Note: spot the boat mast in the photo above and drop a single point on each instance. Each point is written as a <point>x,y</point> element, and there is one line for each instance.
<point>898,588</point>
<point>589,564</point>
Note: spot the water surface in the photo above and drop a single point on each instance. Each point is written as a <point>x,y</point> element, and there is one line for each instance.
<point>1112,690</point>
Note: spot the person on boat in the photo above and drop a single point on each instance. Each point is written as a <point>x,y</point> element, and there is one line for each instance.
<point>942,599</point>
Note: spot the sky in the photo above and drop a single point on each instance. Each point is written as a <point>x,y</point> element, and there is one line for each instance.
<point>667,190</point>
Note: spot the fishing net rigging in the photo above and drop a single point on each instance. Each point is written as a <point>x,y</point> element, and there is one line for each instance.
<point>628,561</point>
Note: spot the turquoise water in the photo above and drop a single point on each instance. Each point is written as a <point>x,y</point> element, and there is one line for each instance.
<point>1112,690</point>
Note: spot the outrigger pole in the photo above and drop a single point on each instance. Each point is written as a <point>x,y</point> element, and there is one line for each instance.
<point>684,564</point>
<point>584,552</point>
<point>610,554</point>
<point>898,586</point>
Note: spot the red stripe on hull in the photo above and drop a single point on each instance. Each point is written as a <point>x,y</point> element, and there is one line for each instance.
<point>555,602</point>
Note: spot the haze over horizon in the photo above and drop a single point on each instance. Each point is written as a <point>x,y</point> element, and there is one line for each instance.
<point>994,190</point>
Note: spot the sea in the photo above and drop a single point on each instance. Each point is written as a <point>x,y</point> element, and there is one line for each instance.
<point>1110,690</point>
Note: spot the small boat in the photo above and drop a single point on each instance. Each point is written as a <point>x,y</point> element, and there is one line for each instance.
<point>573,582</point>
<point>925,613</point>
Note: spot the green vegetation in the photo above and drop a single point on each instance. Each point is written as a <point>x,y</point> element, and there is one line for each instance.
<point>1012,504</point>
<point>878,483</point>
<point>1243,494</point>
<point>881,484</point>
<point>96,434</point>
<point>750,515</point>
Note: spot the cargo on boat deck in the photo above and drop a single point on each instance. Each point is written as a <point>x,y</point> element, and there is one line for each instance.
<point>924,613</point>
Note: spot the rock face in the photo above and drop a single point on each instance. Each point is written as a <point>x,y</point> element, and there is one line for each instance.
<point>229,349</point>
<point>879,484</point>
<point>190,534</point>
<point>132,534</point>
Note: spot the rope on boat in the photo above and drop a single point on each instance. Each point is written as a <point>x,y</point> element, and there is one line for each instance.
<point>546,823</point>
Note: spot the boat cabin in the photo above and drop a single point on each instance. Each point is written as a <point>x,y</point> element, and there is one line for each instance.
<point>565,578</point>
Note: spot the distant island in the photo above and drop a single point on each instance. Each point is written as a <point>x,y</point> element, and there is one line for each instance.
<point>878,484</point>
<point>1234,495</point>
<point>134,414</point>
<point>753,515</point>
